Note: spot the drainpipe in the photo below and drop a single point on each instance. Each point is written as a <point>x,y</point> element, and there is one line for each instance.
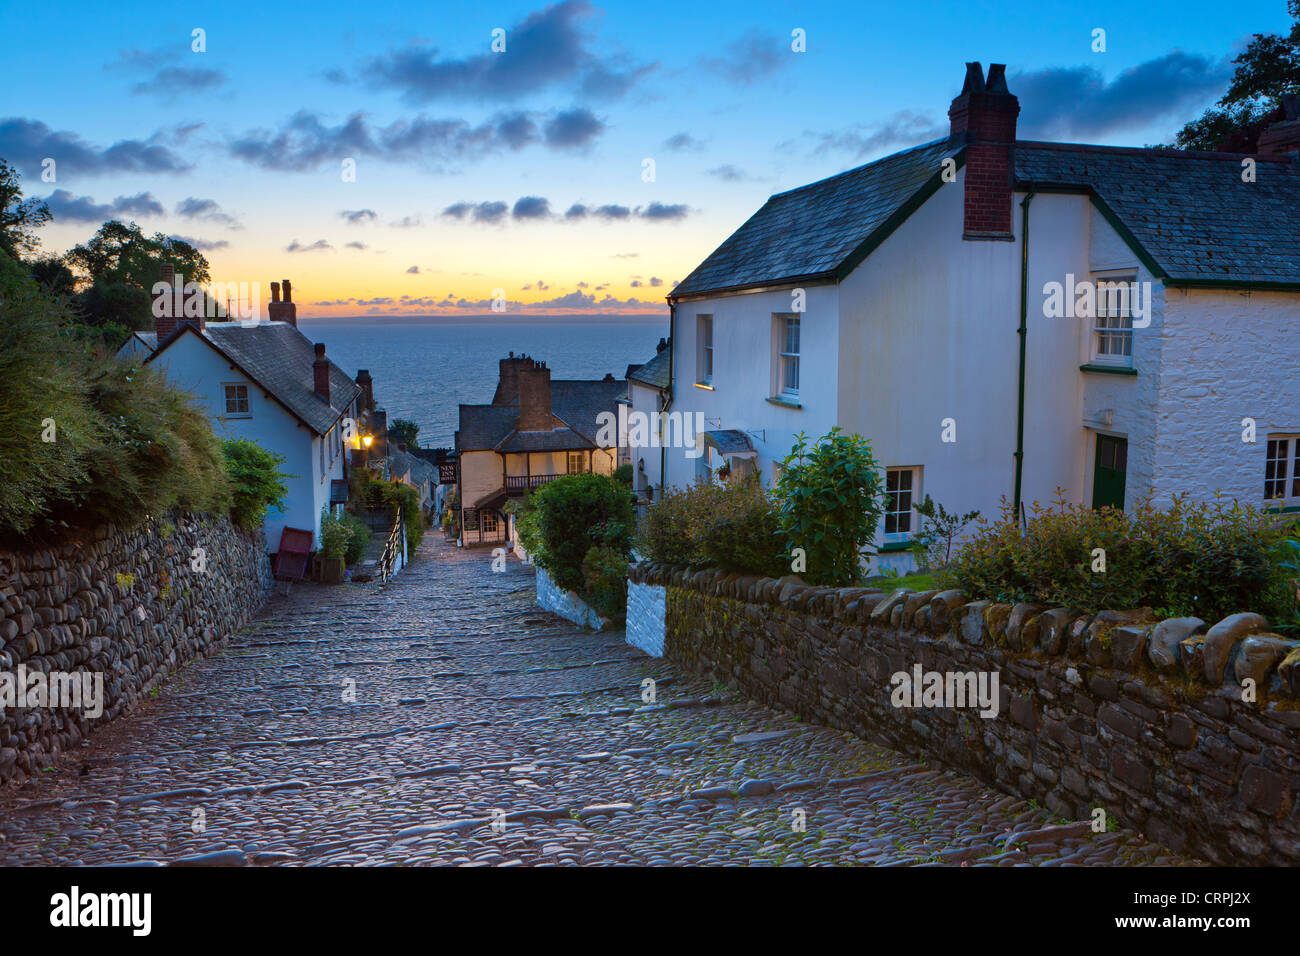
<point>665,404</point>
<point>1023,332</point>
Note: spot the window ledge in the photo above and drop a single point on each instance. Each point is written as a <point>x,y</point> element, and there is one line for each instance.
<point>892,547</point>
<point>704,385</point>
<point>1108,369</point>
<point>784,402</point>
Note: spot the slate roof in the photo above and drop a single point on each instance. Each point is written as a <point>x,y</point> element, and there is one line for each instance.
<point>1190,212</point>
<point>279,358</point>
<point>654,372</point>
<point>812,230</point>
<point>729,441</point>
<point>575,407</point>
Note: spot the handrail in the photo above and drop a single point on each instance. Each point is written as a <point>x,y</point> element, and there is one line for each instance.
<point>392,549</point>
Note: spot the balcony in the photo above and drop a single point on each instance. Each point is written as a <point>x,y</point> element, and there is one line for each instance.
<point>517,483</point>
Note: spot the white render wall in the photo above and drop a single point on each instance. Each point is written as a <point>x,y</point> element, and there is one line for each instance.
<point>1228,355</point>
<point>646,612</point>
<point>198,368</point>
<point>742,373</point>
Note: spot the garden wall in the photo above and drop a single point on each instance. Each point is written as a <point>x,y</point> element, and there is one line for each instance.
<point>566,604</point>
<point>1145,720</point>
<point>126,607</point>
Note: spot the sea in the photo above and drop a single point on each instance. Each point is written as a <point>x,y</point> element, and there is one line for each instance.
<point>425,366</point>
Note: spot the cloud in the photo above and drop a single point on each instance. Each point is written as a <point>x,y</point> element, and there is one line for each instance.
<point>208,209</point>
<point>413,271</point>
<point>65,207</point>
<point>683,143</point>
<point>655,282</point>
<point>24,143</point>
<point>636,283</point>
<point>1067,102</point>
<point>356,245</point>
<point>659,212</point>
<point>356,217</point>
<point>477,212</point>
<point>625,255</point>
<point>728,173</point>
<point>905,128</point>
<point>547,49</point>
<point>611,211</point>
<point>177,81</point>
<point>573,129</point>
<point>305,141</point>
<point>531,207</point>
<point>406,222</point>
<point>203,245</point>
<point>749,59</point>
<point>296,246</point>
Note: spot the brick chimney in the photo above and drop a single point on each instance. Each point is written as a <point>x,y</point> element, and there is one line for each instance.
<point>984,119</point>
<point>367,389</point>
<point>507,392</point>
<point>1283,139</point>
<point>282,311</point>
<point>320,370</point>
<point>535,398</point>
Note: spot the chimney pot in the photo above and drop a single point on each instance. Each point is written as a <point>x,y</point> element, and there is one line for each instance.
<point>288,292</point>
<point>282,310</point>
<point>275,292</point>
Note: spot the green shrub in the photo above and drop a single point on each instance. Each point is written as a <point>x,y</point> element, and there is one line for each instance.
<point>935,543</point>
<point>359,536</point>
<point>334,535</point>
<point>831,500</point>
<point>566,518</point>
<point>623,475</point>
<point>257,484</point>
<point>604,576</point>
<point>670,532</point>
<point>1206,560</point>
<point>742,532</point>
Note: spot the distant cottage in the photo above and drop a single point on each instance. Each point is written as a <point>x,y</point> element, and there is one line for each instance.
<point>535,430</point>
<point>916,301</point>
<point>267,382</point>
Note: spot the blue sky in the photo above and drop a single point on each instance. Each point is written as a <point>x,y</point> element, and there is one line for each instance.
<point>240,147</point>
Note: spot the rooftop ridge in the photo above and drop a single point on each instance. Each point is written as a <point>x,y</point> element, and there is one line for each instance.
<point>858,169</point>
<point>1161,151</point>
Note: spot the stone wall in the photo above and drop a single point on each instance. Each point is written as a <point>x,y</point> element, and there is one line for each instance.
<point>566,604</point>
<point>1150,721</point>
<point>127,606</point>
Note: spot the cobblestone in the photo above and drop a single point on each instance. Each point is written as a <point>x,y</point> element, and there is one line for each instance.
<point>487,732</point>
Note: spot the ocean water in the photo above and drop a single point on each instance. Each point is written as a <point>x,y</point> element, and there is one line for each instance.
<point>425,367</point>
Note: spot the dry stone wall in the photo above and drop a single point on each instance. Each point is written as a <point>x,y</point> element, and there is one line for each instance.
<point>121,609</point>
<point>1183,729</point>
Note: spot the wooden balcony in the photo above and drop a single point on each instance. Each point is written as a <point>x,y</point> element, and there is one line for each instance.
<point>517,483</point>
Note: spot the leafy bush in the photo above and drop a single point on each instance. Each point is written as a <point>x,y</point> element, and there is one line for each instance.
<point>1205,560</point>
<point>604,575</point>
<point>743,532</point>
<point>831,499</point>
<point>334,535</point>
<point>732,524</point>
<point>358,539</point>
<point>935,542</point>
<point>257,484</point>
<point>566,518</point>
<point>623,475</point>
<point>367,491</point>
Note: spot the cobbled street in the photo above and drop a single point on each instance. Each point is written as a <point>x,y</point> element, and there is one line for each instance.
<point>486,732</point>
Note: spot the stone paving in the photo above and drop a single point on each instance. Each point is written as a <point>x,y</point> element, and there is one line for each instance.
<point>485,732</point>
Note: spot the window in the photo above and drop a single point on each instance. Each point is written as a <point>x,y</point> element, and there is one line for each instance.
<point>237,401</point>
<point>787,371</point>
<point>1112,333</point>
<point>1282,468</point>
<point>577,462</point>
<point>901,485</point>
<point>491,524</point>
<point>704,349</point>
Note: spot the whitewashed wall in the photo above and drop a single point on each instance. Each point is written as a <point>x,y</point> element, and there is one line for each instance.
<point>646,611</point>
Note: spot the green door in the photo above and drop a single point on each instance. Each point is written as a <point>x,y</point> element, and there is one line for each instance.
<point>1108,472</point>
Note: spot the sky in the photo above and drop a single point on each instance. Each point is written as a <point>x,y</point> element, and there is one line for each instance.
<point>390,161</point>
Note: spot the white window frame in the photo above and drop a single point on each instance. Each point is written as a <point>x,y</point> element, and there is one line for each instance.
<point>914,495</point>
<point>1288,465</point>
<point>226,388</point>
<point>782,358</point>
<point>704,354</point>
<point>582,463</point>
<point>1112,324</point>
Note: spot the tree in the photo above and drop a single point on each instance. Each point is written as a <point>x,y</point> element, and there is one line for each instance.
<point>18,216</point>
<point>405,431</point>
<point>53,275</point>
<point>1267,70</point>
<point>120,265</point>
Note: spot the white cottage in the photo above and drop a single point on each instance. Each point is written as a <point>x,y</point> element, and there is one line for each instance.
<point>1003,318</point>
<point>265,381</point>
